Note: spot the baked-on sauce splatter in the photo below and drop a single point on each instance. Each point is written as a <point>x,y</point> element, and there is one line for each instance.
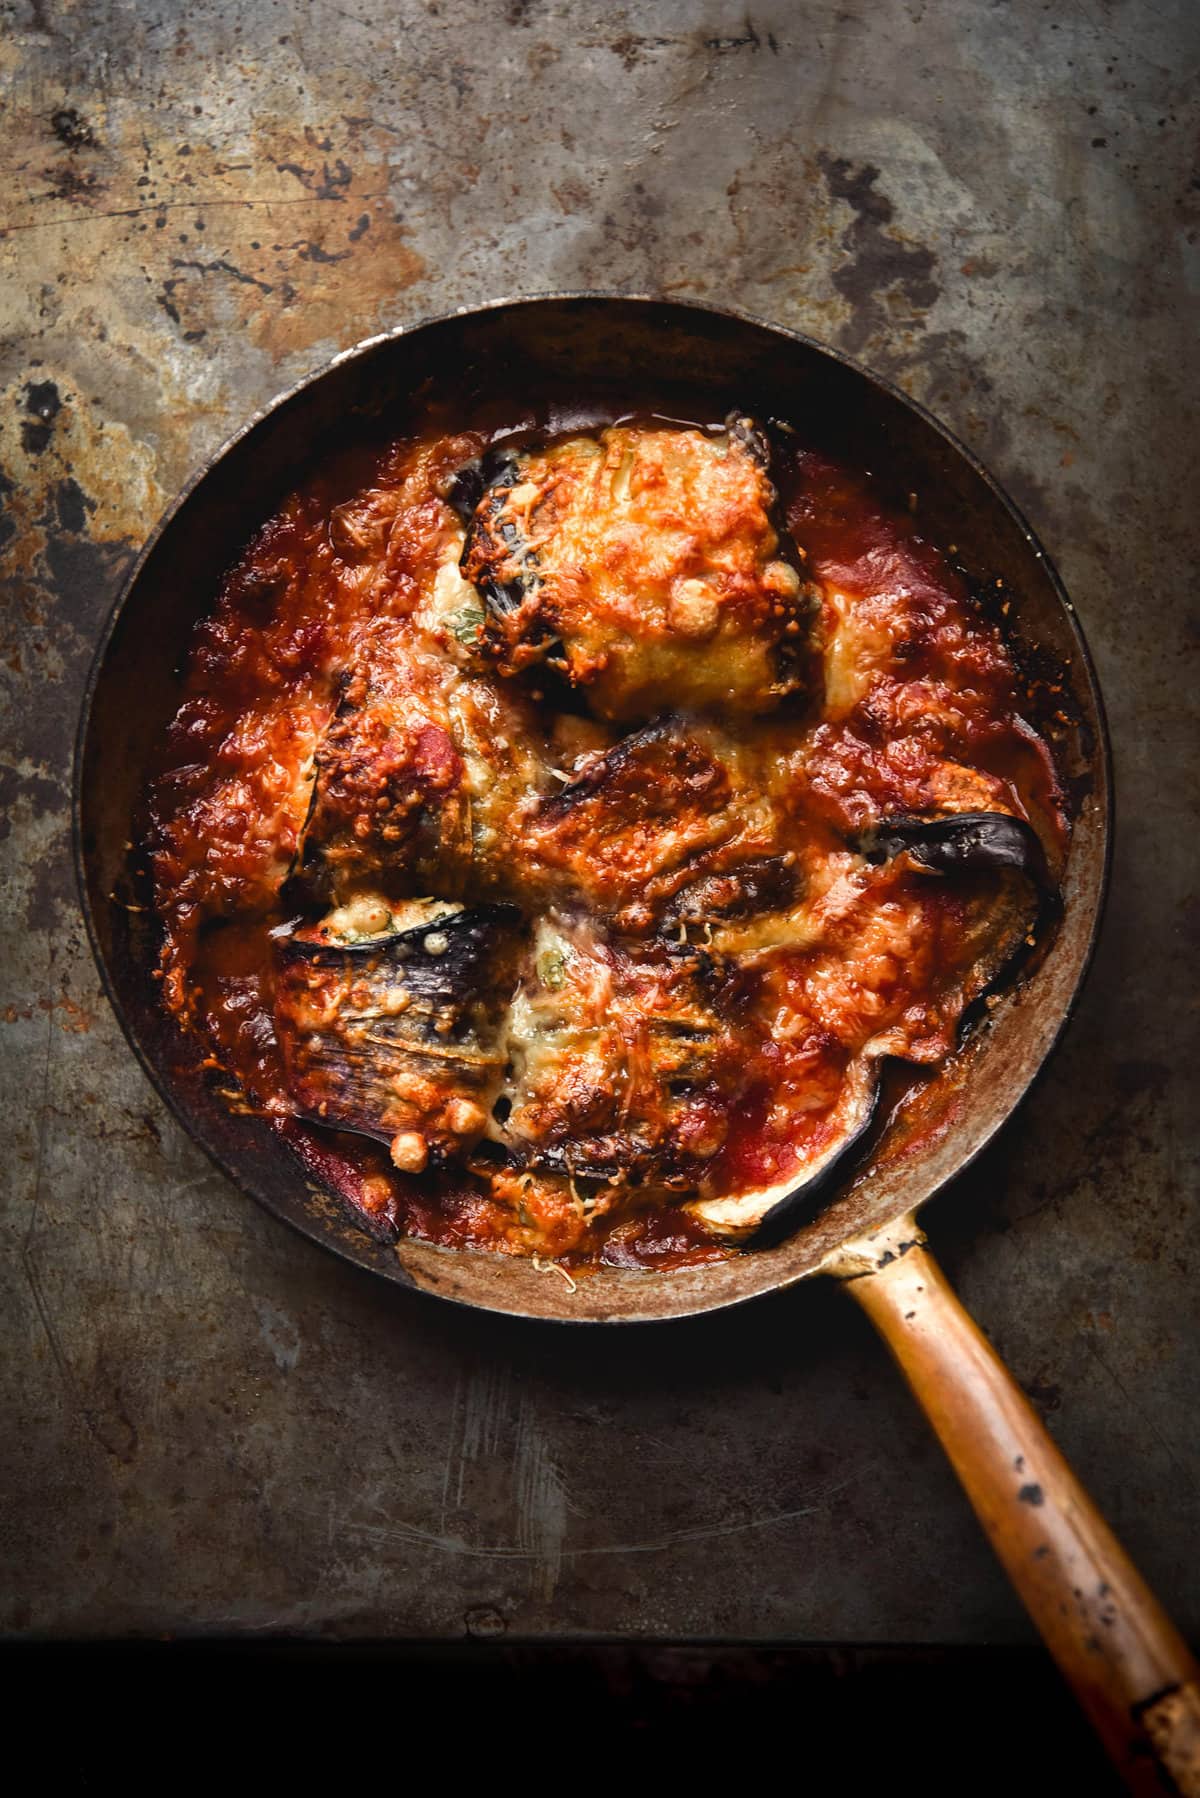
<point>704,961</point>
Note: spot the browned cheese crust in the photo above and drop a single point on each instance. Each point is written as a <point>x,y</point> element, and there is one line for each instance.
<point>645,565</point>
<point>557,869</point>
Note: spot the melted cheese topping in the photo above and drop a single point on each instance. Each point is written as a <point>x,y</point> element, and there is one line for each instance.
<point>595,990</point>
<point>650,571</point>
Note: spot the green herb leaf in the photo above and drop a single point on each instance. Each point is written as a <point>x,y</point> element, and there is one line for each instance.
<point>466,624</point>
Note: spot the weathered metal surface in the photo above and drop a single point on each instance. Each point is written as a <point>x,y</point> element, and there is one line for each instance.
<point>208,1425</point>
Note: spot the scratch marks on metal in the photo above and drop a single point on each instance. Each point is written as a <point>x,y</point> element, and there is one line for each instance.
<point>477,1426</point>
<point>239,226</point>
<point>496,1443</point>
<point>280,1334</point>
<point>98,1405</point>
<point>396,1529</point>
<point>541,1500</point>
<point>502,1475</point>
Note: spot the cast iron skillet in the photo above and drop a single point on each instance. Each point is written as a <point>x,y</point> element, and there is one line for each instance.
<point>1129,1666</point>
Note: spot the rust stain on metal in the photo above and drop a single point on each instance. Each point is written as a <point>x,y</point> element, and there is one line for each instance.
<point>270,262</point>
<point>66,471</point>
<point>886,279</point>
<point>230,232</point>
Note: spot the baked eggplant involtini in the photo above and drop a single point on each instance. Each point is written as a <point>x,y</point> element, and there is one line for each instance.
<point>643,565</point>
<point>559,837</point>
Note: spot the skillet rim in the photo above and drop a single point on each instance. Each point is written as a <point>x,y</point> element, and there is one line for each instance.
<point>1100,759</point>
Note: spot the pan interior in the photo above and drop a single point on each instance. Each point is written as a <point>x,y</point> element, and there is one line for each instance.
<point>711,359</point>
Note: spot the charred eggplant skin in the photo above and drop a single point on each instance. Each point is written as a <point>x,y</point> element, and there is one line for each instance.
<point>768,884</point>
<point>752,437</point>
<point>468,484</point>
<point>624,755</point>
<point>444,977</point>
<point>478,488</point>
<point>809,1197</point>
<point>617,1159</point>
<point>401,1032</point>
<point>961,843</point>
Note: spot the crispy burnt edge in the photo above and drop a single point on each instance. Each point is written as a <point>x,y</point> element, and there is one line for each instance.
<point>467,924</point>
<point>600,770</point>
<point>601,1160</point>
<point>758,887</point>
<point>486,480</point>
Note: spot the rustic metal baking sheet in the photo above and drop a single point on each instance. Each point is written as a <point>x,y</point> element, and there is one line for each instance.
<point>205,1424</point>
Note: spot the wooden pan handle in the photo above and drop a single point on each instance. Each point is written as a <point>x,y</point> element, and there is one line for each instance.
<point>1128,1664</point>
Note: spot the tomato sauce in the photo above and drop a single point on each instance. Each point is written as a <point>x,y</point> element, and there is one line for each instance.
<point>924,712</point>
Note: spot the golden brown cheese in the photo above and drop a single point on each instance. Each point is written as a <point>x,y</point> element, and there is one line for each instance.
<point>420,774</point>
<point>682,1016</point>
<point>644,564</point>
<point>614,1053</point>
<point>666,807</point>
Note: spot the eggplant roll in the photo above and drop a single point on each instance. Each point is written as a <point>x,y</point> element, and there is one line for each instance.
<point>389,803</point>
<point>418,777</point>
<point>892,956</point>
<point>666,810</point>
<point>642,564</point>
<point>616,1060</point>
<point>400,1035</point>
